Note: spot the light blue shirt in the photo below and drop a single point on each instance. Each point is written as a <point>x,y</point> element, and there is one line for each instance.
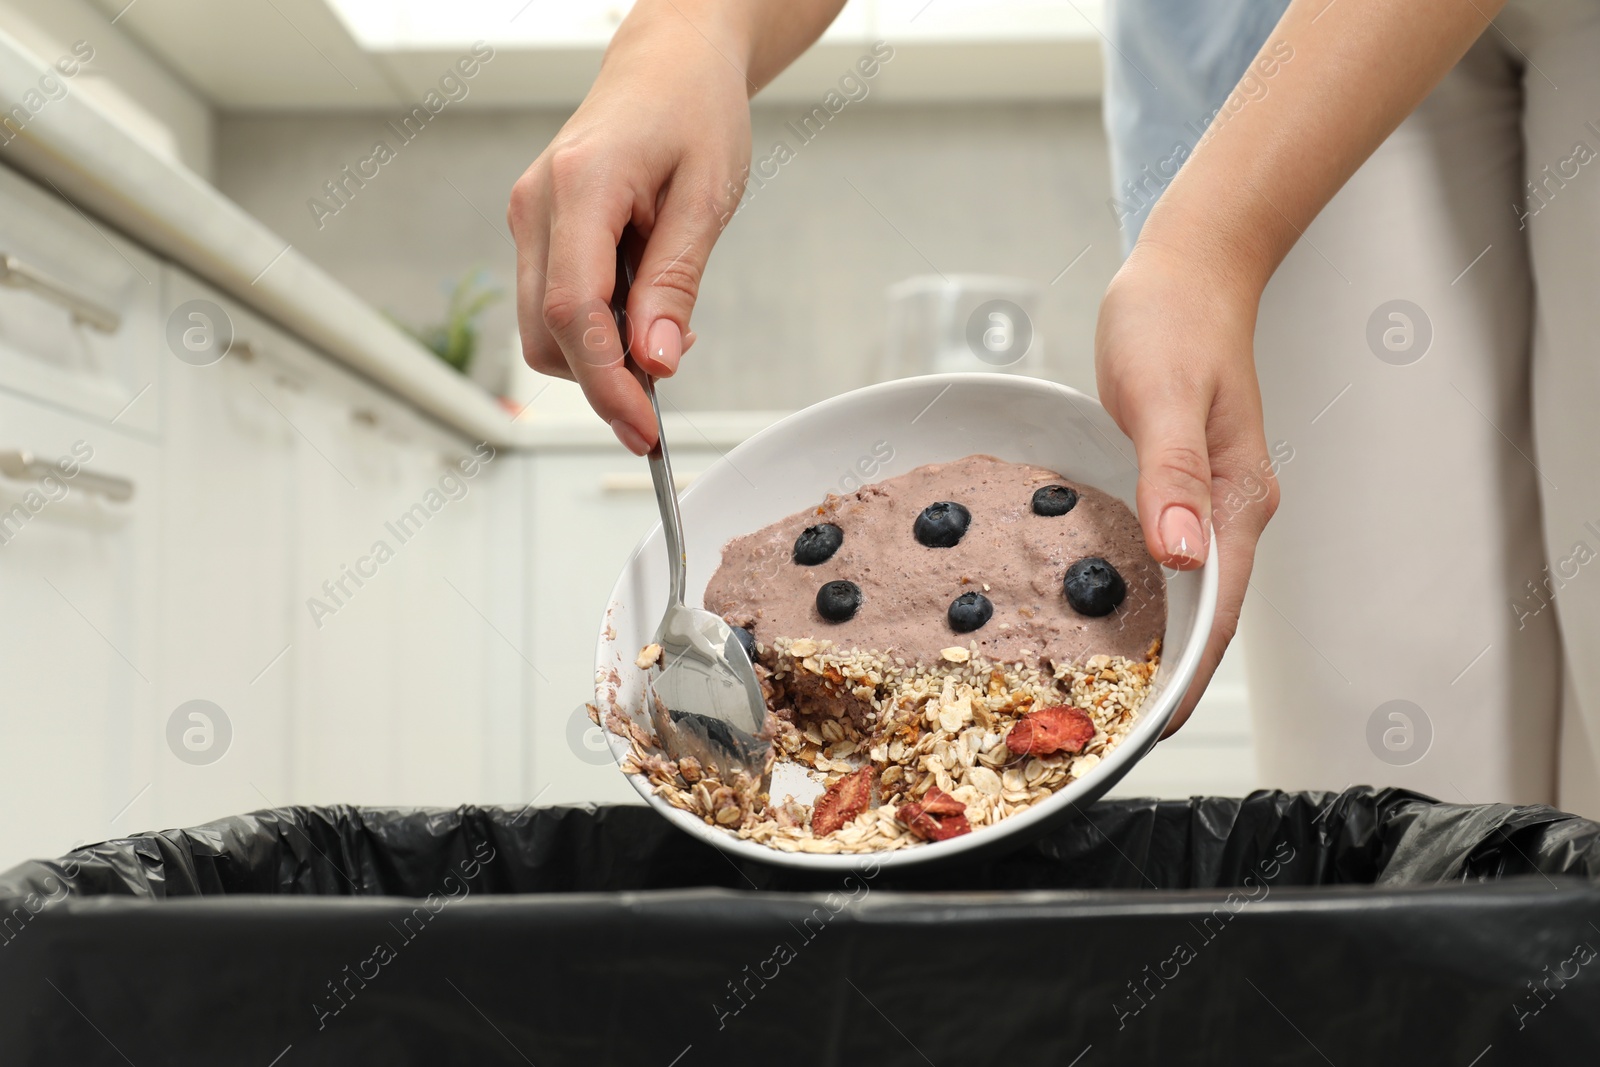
<point>1170,65</point>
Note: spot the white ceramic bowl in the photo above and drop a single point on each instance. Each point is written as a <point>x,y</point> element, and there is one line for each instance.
<point>837,446</point>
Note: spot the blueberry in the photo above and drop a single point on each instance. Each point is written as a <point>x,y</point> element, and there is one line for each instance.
<point>747,641</point>
<point>838,601</point>
<point>1053,500</point>
<point>1094,587</point>
<point>968,612</point>
<point>817,544</point>
<point>942,525</point>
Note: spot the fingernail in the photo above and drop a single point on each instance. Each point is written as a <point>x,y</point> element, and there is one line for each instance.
<point>665,346</point>
<point>630,438</point>
<point>1182,536</point>
<point>688,340</point>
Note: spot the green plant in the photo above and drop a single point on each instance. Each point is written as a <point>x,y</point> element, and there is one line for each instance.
<point>456,339</point>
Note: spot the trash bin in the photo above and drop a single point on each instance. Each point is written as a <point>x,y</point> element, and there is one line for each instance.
<point>1372,926</point>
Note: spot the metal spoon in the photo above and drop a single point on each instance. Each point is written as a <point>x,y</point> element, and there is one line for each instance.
<point>706,701</point>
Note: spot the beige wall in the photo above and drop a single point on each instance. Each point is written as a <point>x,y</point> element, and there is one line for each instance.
<point>793,308</point>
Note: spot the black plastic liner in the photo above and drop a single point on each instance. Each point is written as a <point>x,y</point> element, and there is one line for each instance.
<point>1357,928</point>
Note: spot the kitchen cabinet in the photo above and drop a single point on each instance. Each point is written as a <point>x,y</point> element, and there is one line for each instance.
<point>394,671</point>
<point>349,672</point>
<point>80,312</point>
<point>80,513</point>
<point>226,563</point>
<point>189,632</point>
<point>78,704</point>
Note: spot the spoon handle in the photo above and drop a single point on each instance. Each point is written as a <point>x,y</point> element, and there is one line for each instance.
<point>660,465</point>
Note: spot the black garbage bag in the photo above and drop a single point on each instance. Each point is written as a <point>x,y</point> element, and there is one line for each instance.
<point>1372,926</point>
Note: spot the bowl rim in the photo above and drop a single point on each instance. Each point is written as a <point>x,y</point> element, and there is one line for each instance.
<point>1147,731</point>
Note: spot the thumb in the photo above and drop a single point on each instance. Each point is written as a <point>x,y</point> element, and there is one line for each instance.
<point>1174,492</point>
<point>668,280</point>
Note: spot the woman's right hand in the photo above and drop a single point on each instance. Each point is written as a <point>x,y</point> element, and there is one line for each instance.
<point>661,141</point>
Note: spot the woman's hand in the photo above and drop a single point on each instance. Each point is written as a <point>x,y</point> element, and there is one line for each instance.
<point>660,141</point>
<point>1174,359</point>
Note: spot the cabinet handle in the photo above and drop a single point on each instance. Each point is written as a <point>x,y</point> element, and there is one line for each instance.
<point>18,275</point>
<point>639,481</point>
<point>26,467</point>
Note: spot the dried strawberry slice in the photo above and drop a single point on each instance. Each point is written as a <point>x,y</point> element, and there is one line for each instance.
<point>937,802</point>
<point>938,816</point>
<point>844,800</point>
<point>948,827</point>
<point>919,823</point>
<point>1057,729</point>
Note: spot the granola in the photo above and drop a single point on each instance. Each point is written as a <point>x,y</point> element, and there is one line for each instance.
<point>932,739</point>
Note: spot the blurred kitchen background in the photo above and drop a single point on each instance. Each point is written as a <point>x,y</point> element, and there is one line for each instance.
<point>182,167</point>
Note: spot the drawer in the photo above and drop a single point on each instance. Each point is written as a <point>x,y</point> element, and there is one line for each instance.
<point>77,639</point>
<point>80,324</point>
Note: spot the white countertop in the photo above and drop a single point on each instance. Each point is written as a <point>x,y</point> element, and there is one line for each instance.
<point>102,170</point>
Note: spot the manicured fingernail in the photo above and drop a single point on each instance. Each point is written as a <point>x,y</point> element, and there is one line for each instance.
<point>665,346</point>
<point>630,438</point>
<point>688,340</point>
<point>1182,536</point>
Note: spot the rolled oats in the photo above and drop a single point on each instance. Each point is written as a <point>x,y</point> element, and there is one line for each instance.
<point>984,780</point>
